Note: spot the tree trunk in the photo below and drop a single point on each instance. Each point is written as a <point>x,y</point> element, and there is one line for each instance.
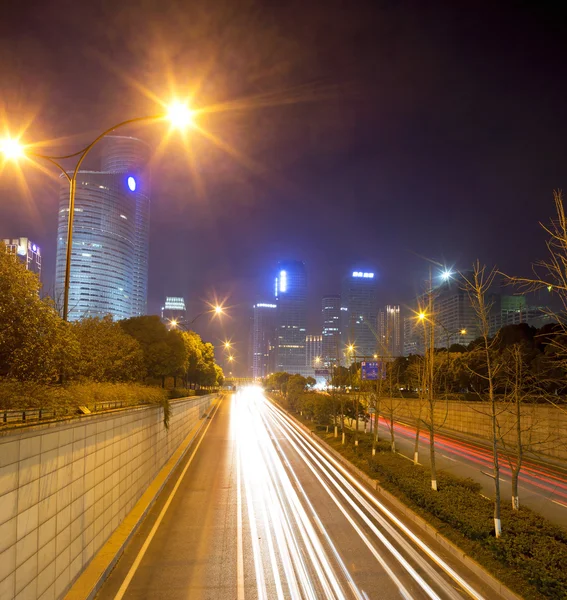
<point>432,456</point>
<point>392,433</point>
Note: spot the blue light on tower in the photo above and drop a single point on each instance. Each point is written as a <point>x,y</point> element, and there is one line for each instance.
<point>131,184</point>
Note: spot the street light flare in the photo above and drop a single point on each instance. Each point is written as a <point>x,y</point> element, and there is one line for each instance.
<point>179,115</point>
<point>421,316</point>
<point>11,148</point>
<point>173,323</point>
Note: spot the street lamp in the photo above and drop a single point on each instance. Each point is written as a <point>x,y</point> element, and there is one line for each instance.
<point>216,310</point>
<point>179,116</point>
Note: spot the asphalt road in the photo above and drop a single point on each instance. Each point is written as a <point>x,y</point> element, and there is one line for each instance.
<point>542,487</point>
<point>260,511</point>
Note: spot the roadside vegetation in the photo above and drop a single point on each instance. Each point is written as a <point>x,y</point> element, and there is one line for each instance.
<point>530,554</point>
<point>46,362</point>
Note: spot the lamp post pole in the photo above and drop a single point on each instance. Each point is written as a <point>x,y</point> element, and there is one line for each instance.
<point>179,115</point>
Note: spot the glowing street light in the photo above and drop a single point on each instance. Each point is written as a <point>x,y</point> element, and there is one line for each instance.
<point>173,323</point>
<point>463,332</point>
<point>12,149</point>
<point>178,114</point>
<point>421,316</point>
<point>227,345</point>
<point>219,310</point>
<point>230,358</point>
<point>446,274</point>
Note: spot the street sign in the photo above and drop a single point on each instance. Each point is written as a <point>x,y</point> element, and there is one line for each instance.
<point>369,370</point>
<point>371,410</point>
<point>323,372</point>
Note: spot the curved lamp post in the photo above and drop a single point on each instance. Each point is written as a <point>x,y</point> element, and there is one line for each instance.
<point>216,310</point>
<point>179,115</point>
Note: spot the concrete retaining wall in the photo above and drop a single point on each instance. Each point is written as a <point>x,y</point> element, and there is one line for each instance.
<point>65,487</point>
<point>544,426</point>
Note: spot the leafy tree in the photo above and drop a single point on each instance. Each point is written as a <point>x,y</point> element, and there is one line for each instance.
<point>35,343</point>
<point>108,353</point>
<point>164,351</point>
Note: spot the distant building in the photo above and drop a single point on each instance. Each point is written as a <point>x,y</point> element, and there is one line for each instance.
<point>331,332</point>
<point>454,318</point>
<point>390,331</point>
<point>109,259</point>
<point>174,310</point>
<point>263,339</point>
<point>314,351</point>
<point>360,313</point>
<point>291,317</point>
<point>28,253</point>
<point>513,310</point>
<point>413,336</point>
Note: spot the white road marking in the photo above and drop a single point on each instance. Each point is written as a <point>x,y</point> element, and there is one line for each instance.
<point>239,545</point>
<point>560,503</point>
<point>146,545</point>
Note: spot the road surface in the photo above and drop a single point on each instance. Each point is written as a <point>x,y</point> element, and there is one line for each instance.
<point>258,510</point>
<point>542,488</point>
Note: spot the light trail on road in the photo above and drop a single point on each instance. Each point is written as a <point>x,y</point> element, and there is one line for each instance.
<point>294,554</point>
<point>531,474</point>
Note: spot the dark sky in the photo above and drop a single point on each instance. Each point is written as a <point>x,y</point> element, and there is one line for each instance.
<point>371,132</point>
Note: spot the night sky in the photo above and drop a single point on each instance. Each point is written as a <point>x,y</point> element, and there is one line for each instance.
<point>357,134</point>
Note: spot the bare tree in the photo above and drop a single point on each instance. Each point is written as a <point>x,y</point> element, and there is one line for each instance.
<point>477,287</point>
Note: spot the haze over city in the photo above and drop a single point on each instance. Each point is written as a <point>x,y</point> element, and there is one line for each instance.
<point>282,300</point>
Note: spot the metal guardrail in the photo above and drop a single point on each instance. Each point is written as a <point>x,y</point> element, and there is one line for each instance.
<point>34,415</point>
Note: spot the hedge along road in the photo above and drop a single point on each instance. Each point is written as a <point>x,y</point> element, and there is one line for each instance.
<point>263,512</point>
<point>542,488</point>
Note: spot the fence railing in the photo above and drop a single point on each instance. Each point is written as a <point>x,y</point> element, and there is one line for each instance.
<point>31,415</point>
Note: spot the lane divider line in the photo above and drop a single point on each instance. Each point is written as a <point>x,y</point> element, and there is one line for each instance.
<point>95,573</point>
<point>148,540</point>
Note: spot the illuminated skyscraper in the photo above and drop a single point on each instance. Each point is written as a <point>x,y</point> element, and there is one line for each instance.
<point>360,314</point>
<point>390,331</point>
<point>313,351</point>
<point>28,253</point>
<point>174,310</point>
<point>331,313</point>
<point>109,259</point>
<point>291,321</point>
<point>264,339</point>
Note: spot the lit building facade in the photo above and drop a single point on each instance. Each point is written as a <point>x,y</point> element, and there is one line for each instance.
<point>314,351</point>
<point>513,310</point>
<point>359,311</point>
<point>109,258</point>
<point>331,315</point>
<point>291,317</point>
<point>28,253</point>
<point>390,331</point>
<point>263,339</point>
<point>174,309</point>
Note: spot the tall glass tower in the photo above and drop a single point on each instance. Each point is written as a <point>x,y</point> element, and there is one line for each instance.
<point>291,319</point>
<point>359,306</point>
<point>109,258</point>
<point>331,314</point>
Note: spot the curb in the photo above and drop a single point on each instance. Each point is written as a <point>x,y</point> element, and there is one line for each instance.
<point>454,550</point>
<point>91,579</point>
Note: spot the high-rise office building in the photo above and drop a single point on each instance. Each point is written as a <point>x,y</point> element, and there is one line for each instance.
<point>28,253</point>
<point>263,339</point>
<point>390,331</point>
<point>359,307</point>
<point>331,313</point>
<point>291,320</point>
<point>313,351</point>
<point>454,318</point>
<point>513,310</point>
<point>174,310</point>
<point>109,258</point>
